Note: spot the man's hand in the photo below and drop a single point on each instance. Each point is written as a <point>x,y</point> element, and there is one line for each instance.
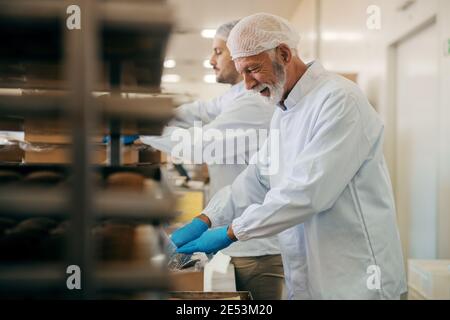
<point>189,232</point>
<point>209,242</point>
<point>205,219</point>
<point>230,234</point>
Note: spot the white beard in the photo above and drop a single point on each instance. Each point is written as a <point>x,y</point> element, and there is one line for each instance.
<point>276,91</point>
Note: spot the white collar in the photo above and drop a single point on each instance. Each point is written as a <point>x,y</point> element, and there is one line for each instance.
<point>304,84</point>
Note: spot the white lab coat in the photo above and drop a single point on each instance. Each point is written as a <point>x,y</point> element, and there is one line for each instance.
<point>331,201</point>
<point>236,109</point>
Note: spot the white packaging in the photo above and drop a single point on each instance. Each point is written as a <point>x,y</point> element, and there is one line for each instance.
<point>429,279</point>
<point>218,274</point>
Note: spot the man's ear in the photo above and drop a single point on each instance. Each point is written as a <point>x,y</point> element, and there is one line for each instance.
<point>285,53</point>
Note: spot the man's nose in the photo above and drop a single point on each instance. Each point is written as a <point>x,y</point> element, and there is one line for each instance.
<point>249,81</point>
<point>212,61</point>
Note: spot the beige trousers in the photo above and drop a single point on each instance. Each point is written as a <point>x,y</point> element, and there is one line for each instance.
<point>262,276</point>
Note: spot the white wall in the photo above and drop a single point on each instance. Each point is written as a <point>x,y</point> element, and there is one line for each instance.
<point>444,141</point>
<point>337,34</point>
<point>305,21</point>
<point>417,131</point>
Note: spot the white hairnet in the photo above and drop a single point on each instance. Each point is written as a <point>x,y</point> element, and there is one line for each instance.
<point>224,30</point>
<point>260,32</point>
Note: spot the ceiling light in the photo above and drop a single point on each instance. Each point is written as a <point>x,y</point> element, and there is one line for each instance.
<point>170,63</point>
<point>171,78</point>
<point>208,33</point>
<point>209,78</point>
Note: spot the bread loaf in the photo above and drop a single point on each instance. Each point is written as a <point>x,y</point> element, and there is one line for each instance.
<point>23,241</point>
<point>44,178</point>
<point>114,241</point>
<point>7,177</point>
<point>126,181</point>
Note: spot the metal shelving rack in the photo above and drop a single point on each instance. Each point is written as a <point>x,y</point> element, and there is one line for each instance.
<point>145,27</point>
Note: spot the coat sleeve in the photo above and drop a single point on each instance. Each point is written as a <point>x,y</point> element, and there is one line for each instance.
<point>335,152</point>
<point>250,187</point>
<point>198,111</point>
<point>231,138</point>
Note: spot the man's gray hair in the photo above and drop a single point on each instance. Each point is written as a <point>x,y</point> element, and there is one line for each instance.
<point>224,30</point>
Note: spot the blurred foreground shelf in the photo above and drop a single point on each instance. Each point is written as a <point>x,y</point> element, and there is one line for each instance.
<point>133,38</point>
<point>146,116</point>
<point>49,73</point>
<point>110,277</point>
<point>35,202</point>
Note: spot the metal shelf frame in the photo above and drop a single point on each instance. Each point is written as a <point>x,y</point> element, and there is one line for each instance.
<point>82,201</point>
<point>112,277</point>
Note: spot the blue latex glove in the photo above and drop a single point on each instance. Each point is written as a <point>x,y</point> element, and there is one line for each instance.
<point>189,232</point>
<point>126,140</point>
<point>209,242</point>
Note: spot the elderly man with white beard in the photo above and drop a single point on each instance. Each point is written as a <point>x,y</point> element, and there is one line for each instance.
<point>331,201</point>
<point>258,264</point>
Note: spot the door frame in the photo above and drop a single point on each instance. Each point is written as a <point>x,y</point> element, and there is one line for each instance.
<point>392,114</point>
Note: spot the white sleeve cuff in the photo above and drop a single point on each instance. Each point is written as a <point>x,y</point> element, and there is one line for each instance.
<point>218,209</point>
<point>215,221</point>
<point>214,212</point>
<point>239,230</point>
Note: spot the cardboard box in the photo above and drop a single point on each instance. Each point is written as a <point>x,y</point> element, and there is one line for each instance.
<point>210,279</point>
<point>51,131</point>
<point>239,295</point>
<point>186,280</point>
<point>59,131</point>
<point>11,153</point>
<point>61,154</point>
<point>150,156</point>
